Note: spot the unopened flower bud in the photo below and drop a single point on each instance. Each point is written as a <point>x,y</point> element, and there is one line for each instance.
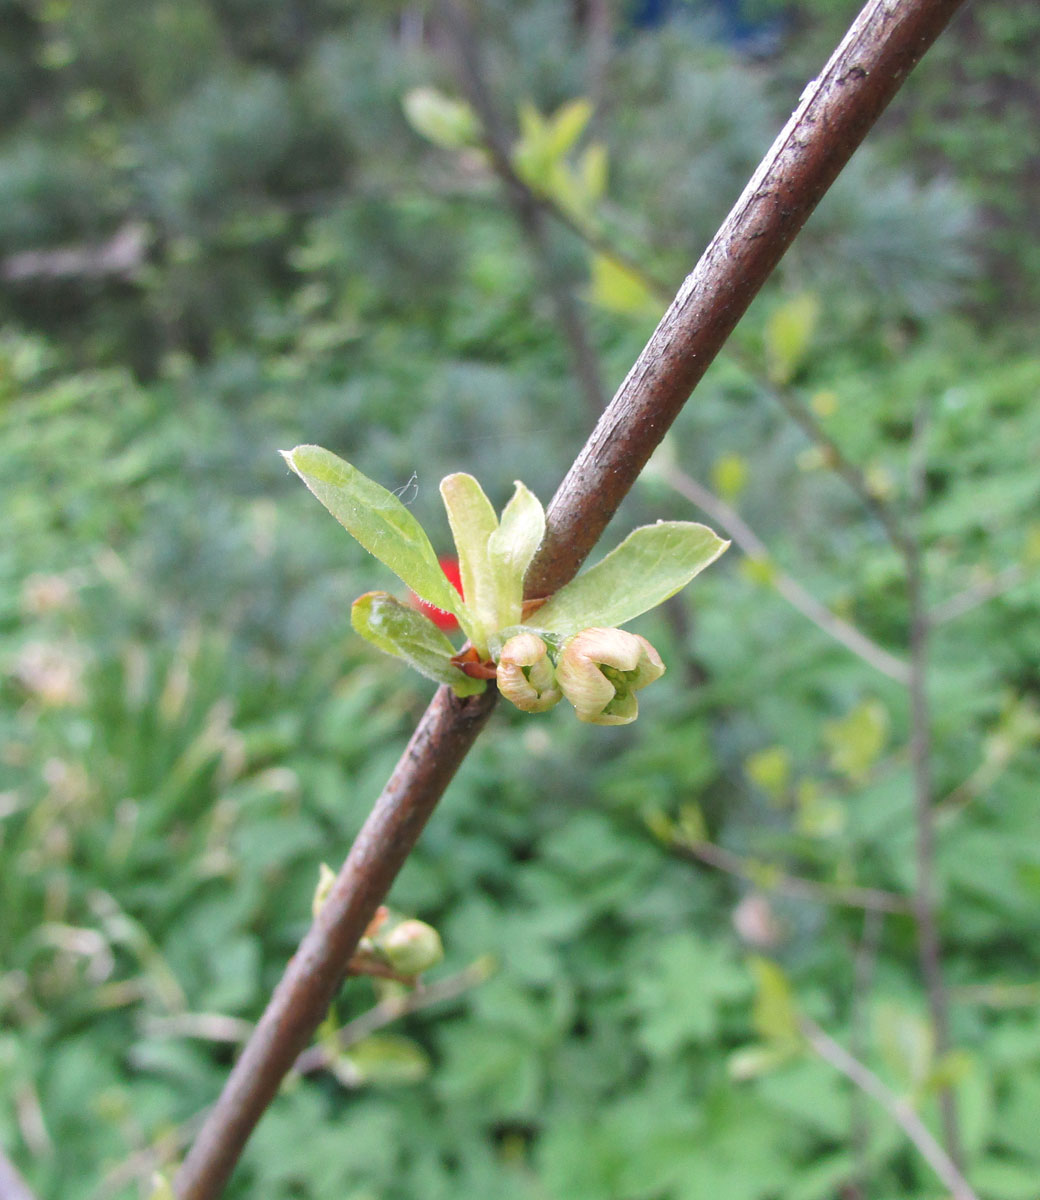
<point>526,675</point>
<point>412,947</point>
<point>600,670</point>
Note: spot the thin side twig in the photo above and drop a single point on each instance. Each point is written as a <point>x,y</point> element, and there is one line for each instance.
<point>832,118</point>
<point>529,214</point>
<point>768,878</point>
<point>837,459</point>
<point>862,979</point>
<point>929,944</point>
<point>391,1009</point>
<point>792,591</point>
<point>972,597</point>
<point>904,1115</point>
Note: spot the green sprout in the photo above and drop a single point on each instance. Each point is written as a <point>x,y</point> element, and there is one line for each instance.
<point>538,651</point>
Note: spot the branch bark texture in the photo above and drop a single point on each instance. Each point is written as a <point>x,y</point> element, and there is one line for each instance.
<point>834,115</point>
<point>444,735</point>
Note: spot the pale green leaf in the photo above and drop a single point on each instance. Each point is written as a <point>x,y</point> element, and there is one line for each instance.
<point>775,1015</point>
<point>770,769</point>
<point>510,550</point>
<point>855,741</point>
<point>402,631</point>
<point>440,119</point>
<point>729,475</point>
<point>907,1044</point>
<point>618,289</point>
<point>379,521</point>
<point>1004,1178</point>
<point>651,564</point>
<point>473,521</point>
<point>387,1059</point>
<point>532,124</point>
<point>788,335</point>
<point>566,125</point>
<point>594,171</point>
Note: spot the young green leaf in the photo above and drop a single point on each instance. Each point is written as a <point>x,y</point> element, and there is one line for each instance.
<point>566,125</point>
<point>788,336</point>
<point>473,522</point>
<point>399,630</point>
<point>441,119</point>
<point>775,1011</point>
<point>510,550</point>
<point>379,521</point>
<point>650,565</point>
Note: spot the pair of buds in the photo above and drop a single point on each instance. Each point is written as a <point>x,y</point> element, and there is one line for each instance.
<point>597,670</point>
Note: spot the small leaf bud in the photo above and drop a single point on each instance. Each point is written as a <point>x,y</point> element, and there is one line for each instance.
<point>412,947</point>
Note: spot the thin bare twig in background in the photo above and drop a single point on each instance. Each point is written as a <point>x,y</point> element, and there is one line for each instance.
<point>862,980</point>
<point>529,214</point>
<point>599,31</point>
<point>898,1109</point>
<point>928,940</point>
<point>12,1185</point>
<point>770,879</point>
<point>792,591</point>
<point>837,459</point>
<point>833,116</point>
<point>987,589</point>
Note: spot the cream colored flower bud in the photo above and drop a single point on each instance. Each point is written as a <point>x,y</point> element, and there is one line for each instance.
<point>526,675</point>
<point>600,670</point>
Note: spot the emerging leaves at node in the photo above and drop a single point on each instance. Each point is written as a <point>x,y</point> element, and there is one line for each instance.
<point>567,646</point>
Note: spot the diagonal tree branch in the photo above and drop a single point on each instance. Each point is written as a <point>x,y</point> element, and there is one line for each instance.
<point>833,116</point>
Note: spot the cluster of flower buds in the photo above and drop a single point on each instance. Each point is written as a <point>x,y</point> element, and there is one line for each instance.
<point>597,670</point>
<point>540,651</point>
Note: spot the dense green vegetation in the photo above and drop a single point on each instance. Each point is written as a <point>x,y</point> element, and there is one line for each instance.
<point>188,726</point>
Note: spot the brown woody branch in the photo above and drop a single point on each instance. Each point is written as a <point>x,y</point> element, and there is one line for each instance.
<point>832,118</point>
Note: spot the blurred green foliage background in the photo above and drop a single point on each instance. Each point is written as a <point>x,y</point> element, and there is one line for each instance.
<point>220,235</point>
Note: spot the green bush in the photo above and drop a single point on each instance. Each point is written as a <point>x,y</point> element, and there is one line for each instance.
<point>188,727</point>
